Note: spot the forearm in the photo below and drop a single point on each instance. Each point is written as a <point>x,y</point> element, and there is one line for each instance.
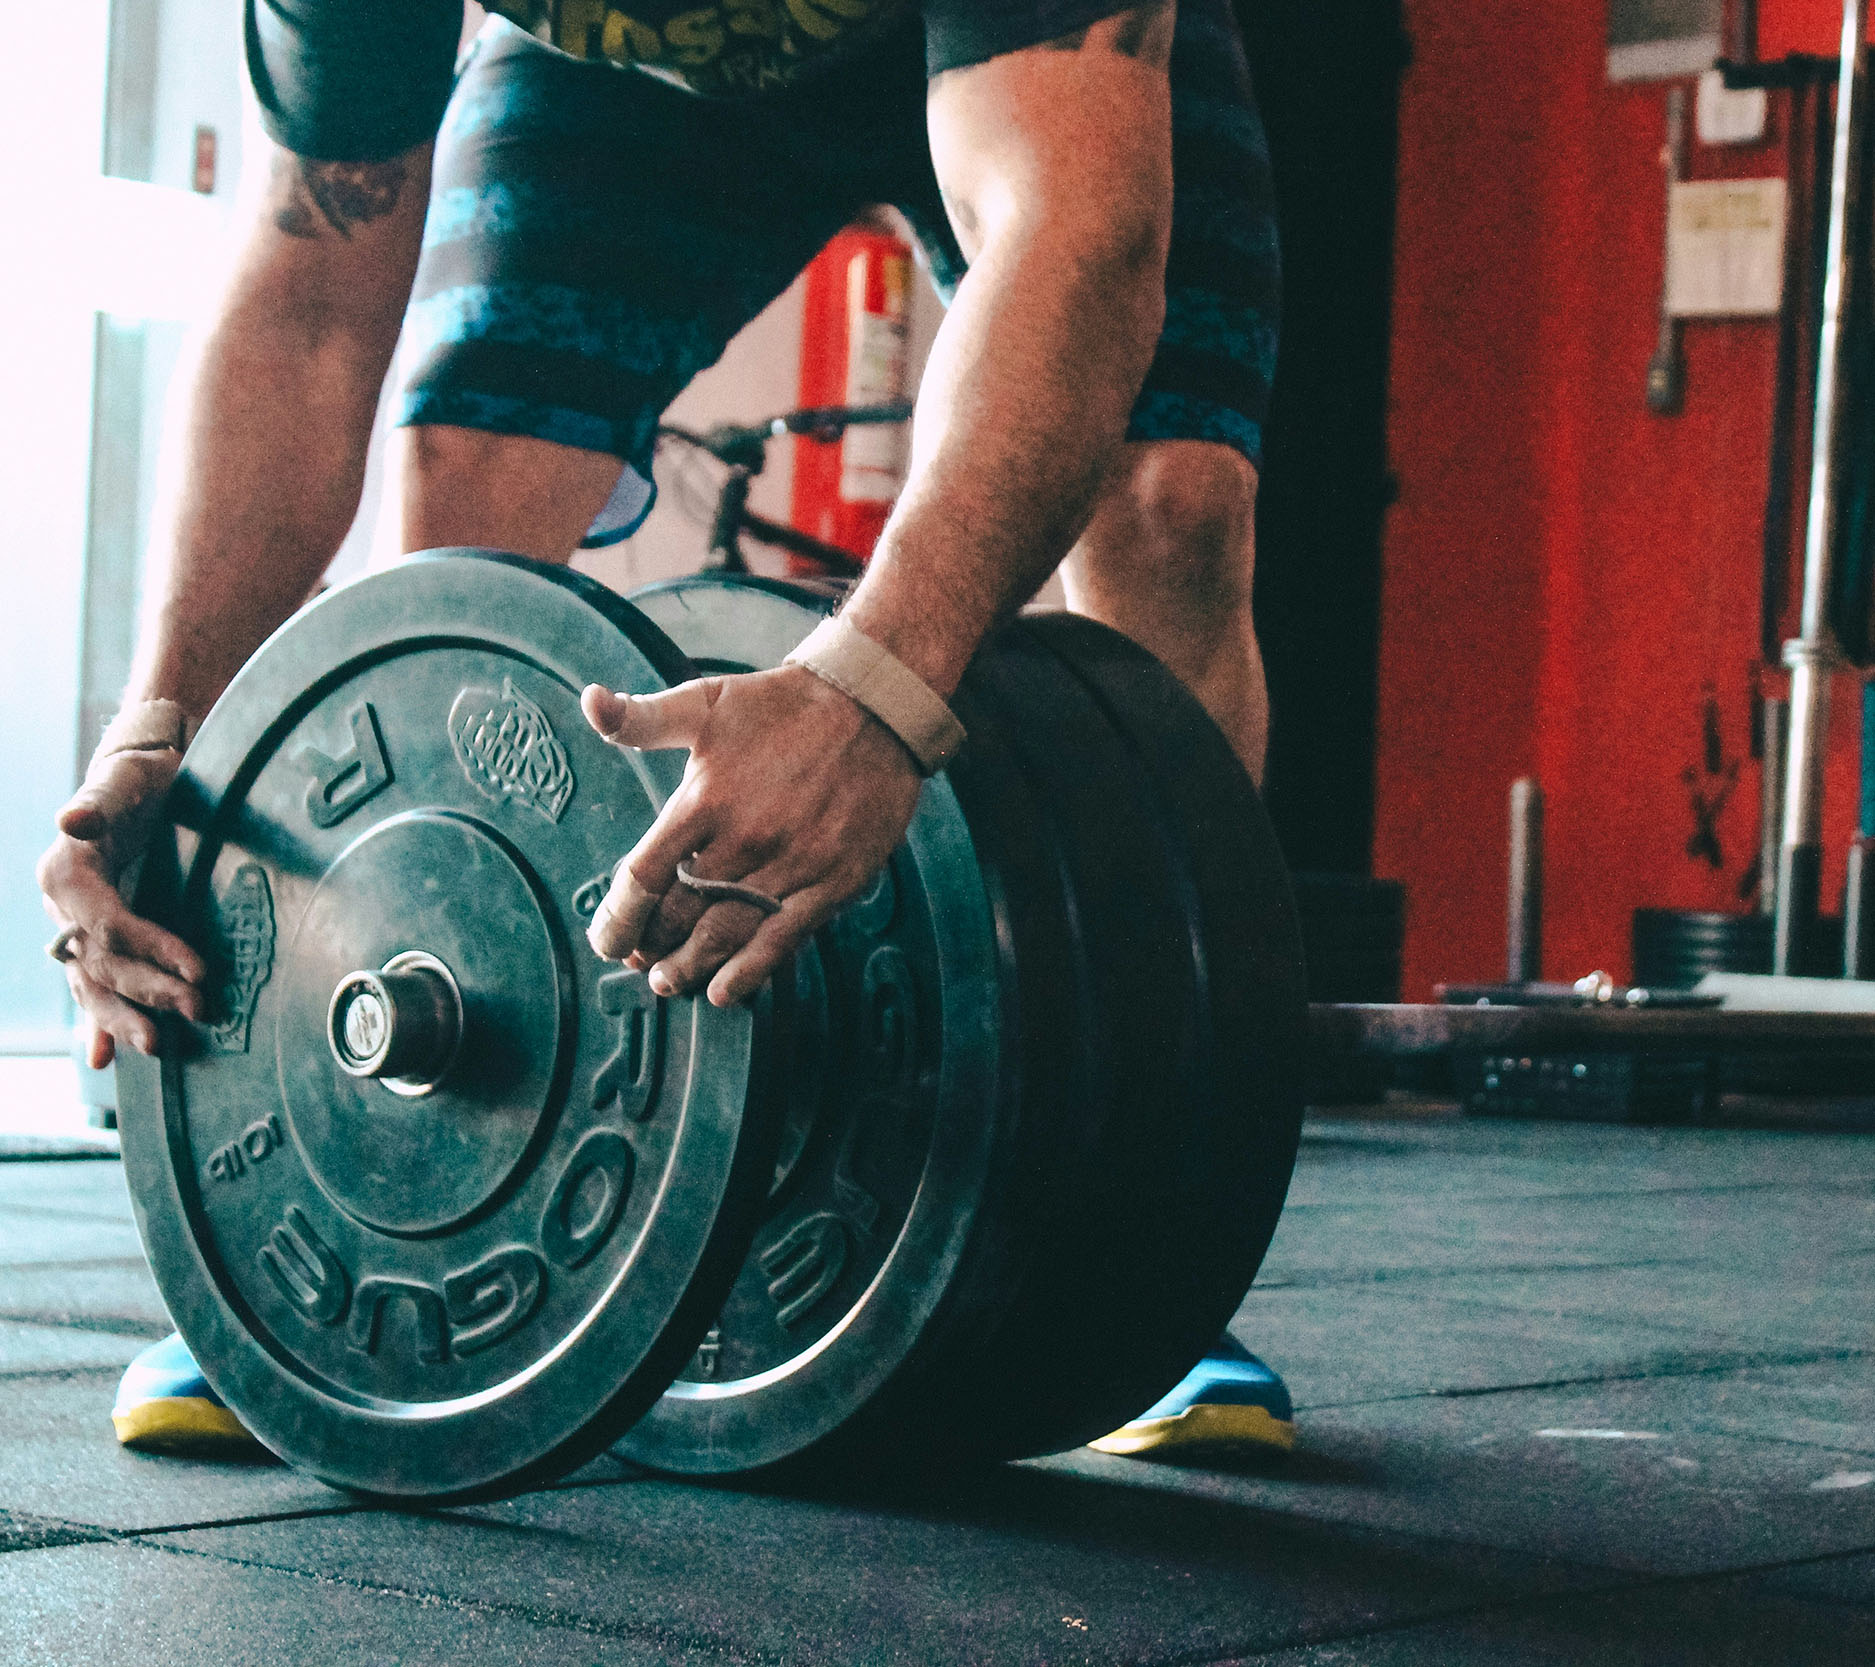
<point>264,447</point>
<point>262,471</point>
<point>1024,402</point>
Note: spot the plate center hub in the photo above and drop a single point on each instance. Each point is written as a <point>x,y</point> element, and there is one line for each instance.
<point>401,1025</point>
<point>417,1080</point>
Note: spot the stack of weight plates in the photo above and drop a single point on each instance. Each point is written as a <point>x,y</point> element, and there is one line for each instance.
<point>1047,1243</point>
<point>444,1204</point>
<point>1675,948</point>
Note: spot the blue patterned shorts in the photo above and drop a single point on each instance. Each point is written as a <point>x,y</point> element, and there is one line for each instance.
<point>595,237</point>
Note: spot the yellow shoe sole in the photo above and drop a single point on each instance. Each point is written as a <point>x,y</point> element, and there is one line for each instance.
<point>1201,1426</point>
<point>184,1424</point>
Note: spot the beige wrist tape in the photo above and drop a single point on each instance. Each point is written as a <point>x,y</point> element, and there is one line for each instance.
<point>843,655</point>
<point>148,726</point>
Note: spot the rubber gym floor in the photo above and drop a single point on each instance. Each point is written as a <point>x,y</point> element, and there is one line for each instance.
<point>1566,1393</point>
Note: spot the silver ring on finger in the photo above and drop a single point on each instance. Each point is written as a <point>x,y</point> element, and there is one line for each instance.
<point>60,948</point>
<point>728,891</point>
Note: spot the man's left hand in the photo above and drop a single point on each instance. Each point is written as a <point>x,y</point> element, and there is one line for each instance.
<point>791,789</point>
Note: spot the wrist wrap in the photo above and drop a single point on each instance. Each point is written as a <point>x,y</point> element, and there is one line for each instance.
<point>147,726</point>
<point>848,659</point>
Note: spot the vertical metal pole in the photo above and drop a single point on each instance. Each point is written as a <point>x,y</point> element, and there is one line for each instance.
<point>1774,717</point>
<point>1814,656</point>
<point>1858,895</point>
<point>1524,935</point>
<point>1666,371</point>
<point>1738,31</point>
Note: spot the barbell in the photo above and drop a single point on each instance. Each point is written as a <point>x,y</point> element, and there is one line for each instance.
<point>446,1205</point>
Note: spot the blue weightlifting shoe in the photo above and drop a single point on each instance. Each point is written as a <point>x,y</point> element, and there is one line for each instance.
<point>1229,1402</point>
<point>164,1405</point>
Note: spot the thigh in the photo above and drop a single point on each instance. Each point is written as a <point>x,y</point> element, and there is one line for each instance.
<point>595,238</point>
<point>448,485</point>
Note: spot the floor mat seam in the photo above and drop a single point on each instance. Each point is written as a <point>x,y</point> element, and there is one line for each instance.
<point>558,1620</point>
<point>1755,1364</point>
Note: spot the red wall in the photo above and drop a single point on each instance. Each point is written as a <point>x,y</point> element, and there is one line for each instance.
<point>1566,574</point>
<point>1786,26</point>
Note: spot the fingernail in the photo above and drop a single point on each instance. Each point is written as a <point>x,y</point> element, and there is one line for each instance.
<point>146,1046</point>
<point>661,982</point>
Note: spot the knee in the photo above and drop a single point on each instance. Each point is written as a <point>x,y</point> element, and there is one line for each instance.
<point>436,453</point>
<point>1184,524</point>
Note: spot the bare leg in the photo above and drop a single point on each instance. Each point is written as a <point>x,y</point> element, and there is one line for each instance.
<point>502,491</point>
<point>1168,559</point>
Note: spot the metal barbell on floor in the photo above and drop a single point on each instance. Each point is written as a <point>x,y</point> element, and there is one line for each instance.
<point>444,1204</point>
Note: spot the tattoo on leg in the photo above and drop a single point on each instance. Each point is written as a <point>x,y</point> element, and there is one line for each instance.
<point>342,194</point>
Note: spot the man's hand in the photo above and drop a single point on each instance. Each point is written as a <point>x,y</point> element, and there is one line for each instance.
<point>117,963</point>
<point>791,788</point>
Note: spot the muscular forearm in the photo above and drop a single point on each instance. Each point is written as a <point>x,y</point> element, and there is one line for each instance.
<point>1024,401</point>
<point>264,450</point>
<point>262,473</point>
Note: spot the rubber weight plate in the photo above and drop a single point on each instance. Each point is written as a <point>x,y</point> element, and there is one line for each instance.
<point>440,1201</point>
<point>1105,1321</point>
<point>895,1072</point>
<point>1242,1134</point>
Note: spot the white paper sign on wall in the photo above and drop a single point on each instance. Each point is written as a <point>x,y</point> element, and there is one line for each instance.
<point>1730,117</point>
<point>1725,248</point>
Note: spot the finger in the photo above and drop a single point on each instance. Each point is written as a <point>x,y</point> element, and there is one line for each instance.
<point>136,980</point>
<point>649,871</point>
<point>778,937</point>
<point>91,810</point>
<point>83,819</point>
<point>67,869</point>
<point>78,891</point>
<point>117,788</point>
<point>111,930</point>
<point>723,929</point>
<point>99,1050</point>
<point>670,718</point>
<point>618,925</point>
<point>672,921</point>
<point>112,1013</point>
<point>725,925</point>
<point>130,934</point>
<point>682,906</point>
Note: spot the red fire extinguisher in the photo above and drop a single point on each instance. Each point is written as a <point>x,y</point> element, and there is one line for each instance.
<point>853,352</point>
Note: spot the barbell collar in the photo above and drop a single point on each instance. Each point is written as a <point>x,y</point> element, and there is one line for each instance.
<point>400,1025</point>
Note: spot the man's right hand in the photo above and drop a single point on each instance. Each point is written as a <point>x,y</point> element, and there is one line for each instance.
<point>120,966</point>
